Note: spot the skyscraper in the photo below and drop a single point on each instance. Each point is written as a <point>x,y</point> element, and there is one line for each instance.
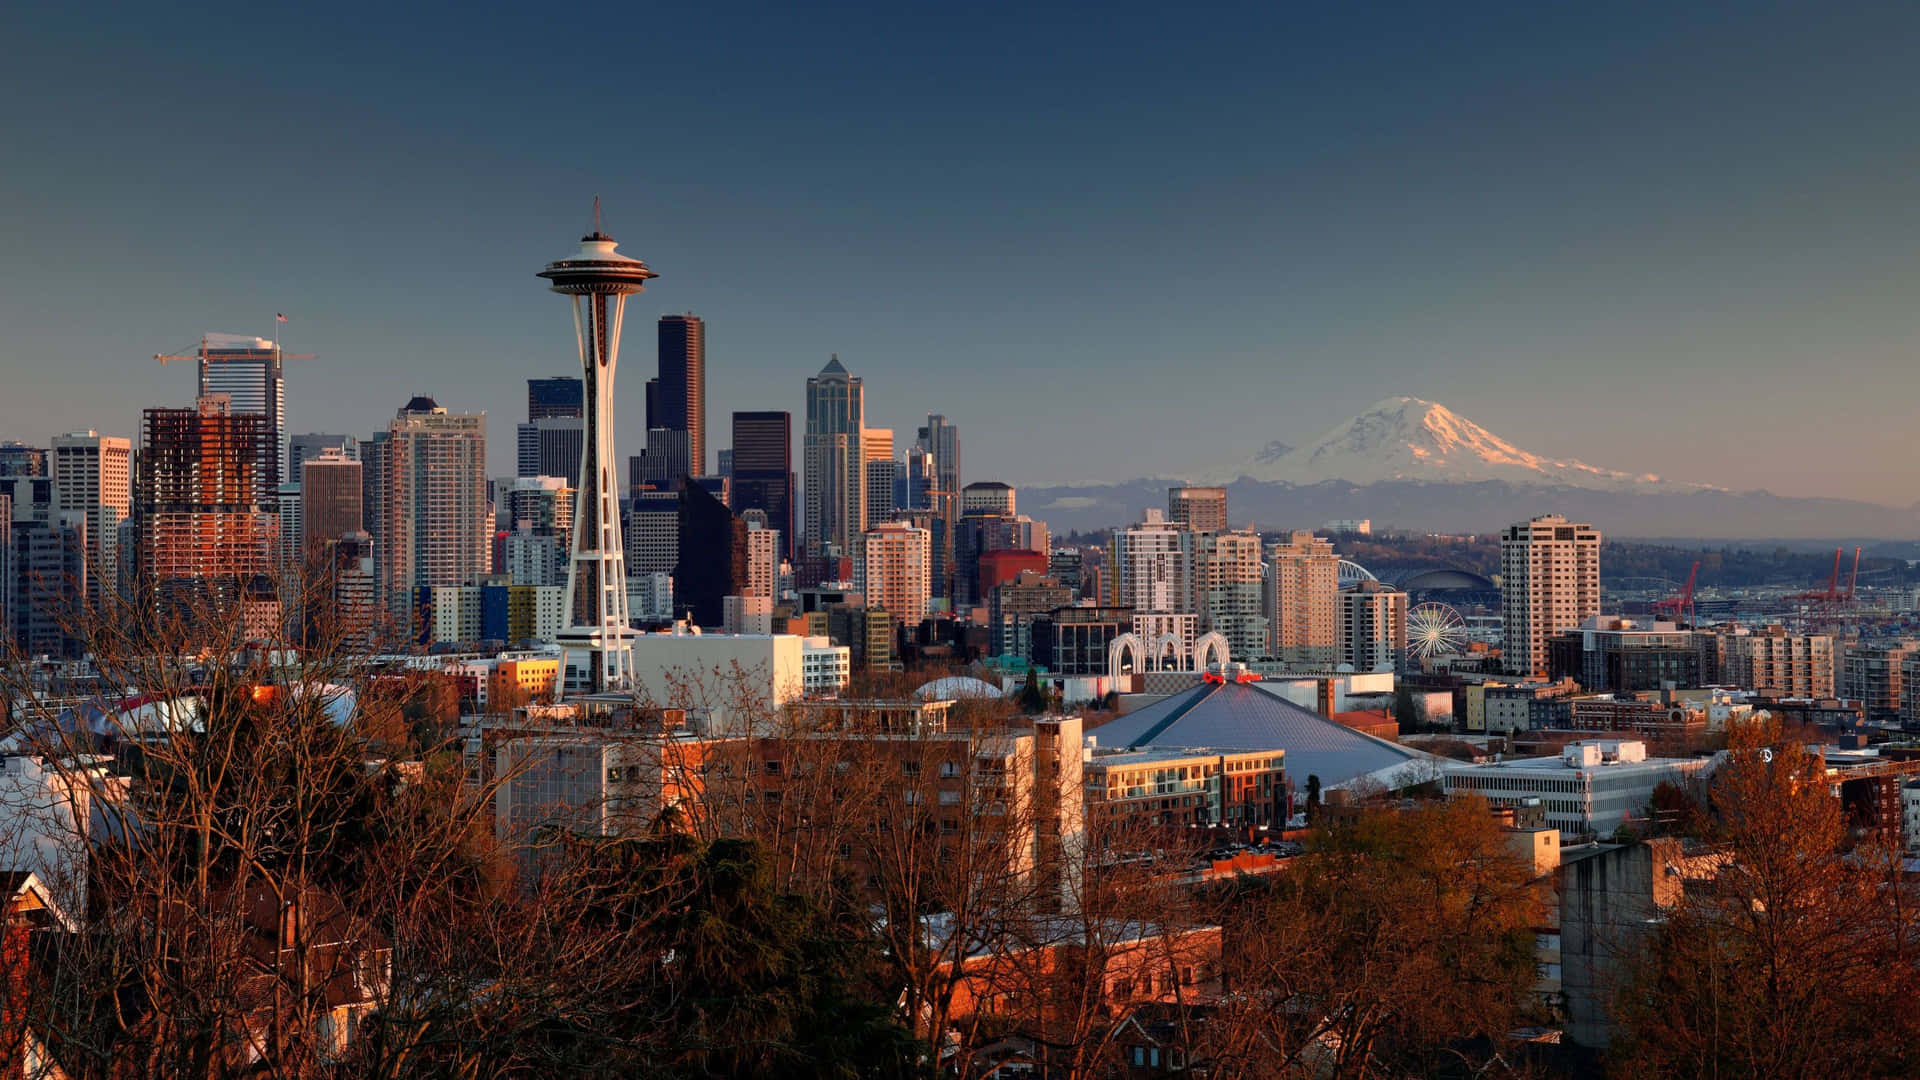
<point>559,396</point>
<point>599,280</point>
<point>425,482</point>
<point>550,446</point>
<point>1303,601</point>
<point>682,398</point>
<point>201,507</point>
<point>666,463</point>
<point>312,445</point>
<point>332,490</point>
<point>763,470</point>
<point>1549,581</point>
<point>835,463</point>
<point>876,449</point>
<point>712,558</point>
<point>942,443</point>
<point>1202,509</point>
<point>92,476</point>
<point>247,370</point>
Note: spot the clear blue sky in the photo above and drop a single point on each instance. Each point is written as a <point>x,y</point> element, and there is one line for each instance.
<point>1108,240</point>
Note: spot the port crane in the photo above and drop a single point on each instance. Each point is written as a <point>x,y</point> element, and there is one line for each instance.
<point>1674,605</point>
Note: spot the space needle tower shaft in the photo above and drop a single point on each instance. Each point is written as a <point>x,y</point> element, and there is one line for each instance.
<point>599,280</point>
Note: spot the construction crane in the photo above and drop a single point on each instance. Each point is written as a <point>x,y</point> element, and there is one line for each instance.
<point>196,357</point>
<point>1674,605</point>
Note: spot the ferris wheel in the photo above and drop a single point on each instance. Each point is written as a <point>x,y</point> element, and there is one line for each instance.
<point>1435,630</point>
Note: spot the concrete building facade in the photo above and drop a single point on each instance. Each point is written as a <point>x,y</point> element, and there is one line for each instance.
<point>1550,581</point>
<point>1303,598</point>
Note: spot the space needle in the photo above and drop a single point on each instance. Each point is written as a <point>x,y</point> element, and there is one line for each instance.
<point>599,279</point>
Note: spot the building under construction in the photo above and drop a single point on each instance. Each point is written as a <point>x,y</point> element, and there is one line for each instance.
<point>204,522</point>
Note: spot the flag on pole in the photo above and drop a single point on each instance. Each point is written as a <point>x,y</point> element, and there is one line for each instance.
<point>280,318</point>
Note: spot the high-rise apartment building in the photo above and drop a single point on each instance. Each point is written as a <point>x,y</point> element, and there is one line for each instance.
<point>92,477</point>
<point>836,504</point>
<point>1202,509</point>
<point>1549,581</point>
<point>312,444</point>
<point>332,497</point>
<point>763,470</point>
<point>1303,595</point>
<point>681,404</point>
<point>247,370</point>
<point>763,562</point>
<point>426,500</point>
<point>1228,594</point>
<point>562,395</point>
<point>1373,627</point>
<point>202,509</point>
<point>895,571</point>
<point>1152,565</point>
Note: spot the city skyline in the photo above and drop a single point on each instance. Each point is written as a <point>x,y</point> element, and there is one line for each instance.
<point>1693,251</point>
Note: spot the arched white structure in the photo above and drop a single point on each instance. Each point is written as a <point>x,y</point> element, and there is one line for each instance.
<point>1352,573</point>
<point>1209,650</point>
<point>1169,653</point>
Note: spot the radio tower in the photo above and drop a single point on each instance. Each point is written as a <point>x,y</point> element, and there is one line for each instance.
<point>599,280</point>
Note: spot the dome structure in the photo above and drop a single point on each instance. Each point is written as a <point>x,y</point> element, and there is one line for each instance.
<point>959,688</point>
<point>1245,716</point>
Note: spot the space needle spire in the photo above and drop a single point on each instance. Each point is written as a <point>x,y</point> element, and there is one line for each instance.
<point>599,280</point>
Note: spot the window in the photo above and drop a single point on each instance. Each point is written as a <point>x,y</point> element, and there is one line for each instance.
<point>772,767</point>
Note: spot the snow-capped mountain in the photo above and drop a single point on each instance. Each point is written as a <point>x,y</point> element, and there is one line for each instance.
<point>1412,464</point>
<point>1408,439</point>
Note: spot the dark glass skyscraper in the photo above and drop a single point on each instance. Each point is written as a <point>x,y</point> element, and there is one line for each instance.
<point>559,396</point>
<point>763,470</point>
<point>713,557</point>
<point>681,404</point>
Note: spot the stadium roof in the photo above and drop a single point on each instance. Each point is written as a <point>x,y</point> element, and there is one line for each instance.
<point>1242,716</point>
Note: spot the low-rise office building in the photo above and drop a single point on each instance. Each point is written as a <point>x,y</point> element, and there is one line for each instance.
<point>1589,789</point>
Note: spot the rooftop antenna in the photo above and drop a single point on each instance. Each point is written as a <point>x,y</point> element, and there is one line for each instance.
<point>596,216</point>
